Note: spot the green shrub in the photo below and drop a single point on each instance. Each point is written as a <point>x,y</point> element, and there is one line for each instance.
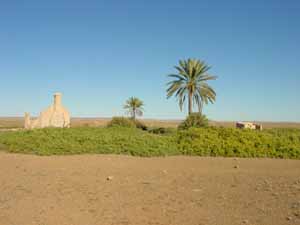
<point>121,122</point>
<point>126,122</point>
<point>162,130</point>
<point>194,120</point>
<point>213,141</point>
<point>140,125</point>
<point>113,140</point>
<point>208,141</point>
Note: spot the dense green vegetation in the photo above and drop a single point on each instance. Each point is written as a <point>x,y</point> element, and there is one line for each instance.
<point>209,141</point>
<point>194,120</point>
<point>281,143</point>
<point>121,122</point>
<point>126,122</point>
<point>113,140</point>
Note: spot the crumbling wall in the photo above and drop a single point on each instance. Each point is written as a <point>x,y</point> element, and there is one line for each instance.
<point>54,116</point>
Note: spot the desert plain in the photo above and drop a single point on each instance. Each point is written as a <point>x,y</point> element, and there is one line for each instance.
<point>109,189</point>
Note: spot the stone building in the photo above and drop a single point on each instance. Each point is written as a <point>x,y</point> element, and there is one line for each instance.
<point>248,125</point>
<point>54,116</point>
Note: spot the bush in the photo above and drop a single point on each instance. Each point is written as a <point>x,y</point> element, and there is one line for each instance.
<point>162,130</point>
<point>209,141</point>
<point>194,120</point>
<point>140,125</point>
<point>230,142</point>
<point>121,122</point>
<point>126,122</point>
<point>113,140</point>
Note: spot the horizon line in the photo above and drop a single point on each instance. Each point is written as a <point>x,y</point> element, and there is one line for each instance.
<point>162,119</point>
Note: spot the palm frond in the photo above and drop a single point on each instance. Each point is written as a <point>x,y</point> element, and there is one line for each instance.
<point>191,78</point>
<point>134,106</point>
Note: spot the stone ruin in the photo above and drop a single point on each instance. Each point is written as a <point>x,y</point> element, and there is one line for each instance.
<point>249,125</point>
<point>54,116</point>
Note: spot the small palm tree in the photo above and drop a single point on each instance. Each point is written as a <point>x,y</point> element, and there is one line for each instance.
<point>191,83</point>
<point>134,106</point>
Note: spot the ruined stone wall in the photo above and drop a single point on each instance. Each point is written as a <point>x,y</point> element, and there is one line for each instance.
<point>54,116</point>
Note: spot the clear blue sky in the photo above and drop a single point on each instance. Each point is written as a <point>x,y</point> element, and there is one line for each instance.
<point>98,53</point>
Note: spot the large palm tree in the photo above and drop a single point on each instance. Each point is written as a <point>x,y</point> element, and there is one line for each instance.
<point>134,106</point>
<point>191,82</point>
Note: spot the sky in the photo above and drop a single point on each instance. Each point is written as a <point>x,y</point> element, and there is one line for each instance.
<point>98,53</point>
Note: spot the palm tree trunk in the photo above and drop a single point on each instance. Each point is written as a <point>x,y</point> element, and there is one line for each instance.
<point>133,115</point>
<point>190,102</point>
<point>201,107</point>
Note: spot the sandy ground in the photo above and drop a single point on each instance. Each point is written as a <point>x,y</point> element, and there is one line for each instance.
<point>74,190</point>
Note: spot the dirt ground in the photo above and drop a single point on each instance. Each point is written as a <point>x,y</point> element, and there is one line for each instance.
<point>75,190</point>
